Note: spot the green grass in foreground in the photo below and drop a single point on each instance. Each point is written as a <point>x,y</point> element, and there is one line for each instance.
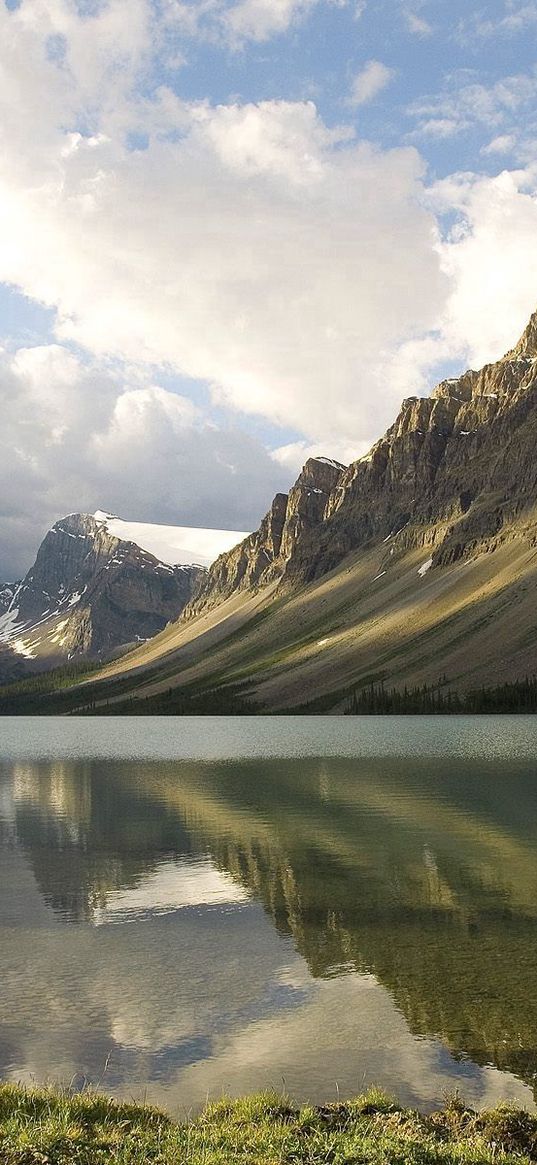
<point>52,1128</point>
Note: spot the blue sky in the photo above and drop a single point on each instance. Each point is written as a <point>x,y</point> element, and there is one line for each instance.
<point>234,233</point>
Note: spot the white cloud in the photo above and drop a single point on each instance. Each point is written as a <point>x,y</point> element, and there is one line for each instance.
<point>294,455</point>
<point>502,144</point>
<point>259,19</point>
<point>235,249</point>
<point>438,127</point>
<point>463,104</point>
<point>516,17</point>
<point>490,258</point>
<point>244,20</point>
<point>369,82</point>
<point>412,12</point>
<point>74,438</point>
<point>418,25</point>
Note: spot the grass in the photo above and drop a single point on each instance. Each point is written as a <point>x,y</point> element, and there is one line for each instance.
<point>51,1127</point>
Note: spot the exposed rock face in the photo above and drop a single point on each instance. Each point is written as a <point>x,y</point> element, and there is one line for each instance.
<point>7,590</point>
<point>264,556</point>
<point>89,593</point>
<point>453,471</point>
<point>451,474</point>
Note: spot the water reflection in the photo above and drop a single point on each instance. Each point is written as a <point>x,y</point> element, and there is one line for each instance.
<point>188,927</point>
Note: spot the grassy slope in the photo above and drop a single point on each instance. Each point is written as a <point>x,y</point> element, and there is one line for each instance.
<point>473,621</point>
<point>372,619</point>
<point>54,1128</point>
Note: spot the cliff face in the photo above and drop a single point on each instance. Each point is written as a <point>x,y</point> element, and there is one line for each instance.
<point>89,593</point>
<point>7,590</point>
<point>452,473</point>
<point>264,556</point>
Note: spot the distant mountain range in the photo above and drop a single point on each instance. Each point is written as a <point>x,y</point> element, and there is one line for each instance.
<point>416,564</point>
<point>99,585</point>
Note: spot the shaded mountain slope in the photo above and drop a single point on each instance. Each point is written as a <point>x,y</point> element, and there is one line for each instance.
<point>472,622</point>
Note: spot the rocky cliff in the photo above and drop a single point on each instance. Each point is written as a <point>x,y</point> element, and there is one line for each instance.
<point>89,593</point>
<point>451,474</point>
<point>265,556</point>
<point>7,590</point>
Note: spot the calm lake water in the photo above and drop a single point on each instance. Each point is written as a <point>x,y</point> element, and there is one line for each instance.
<point>197,906</point>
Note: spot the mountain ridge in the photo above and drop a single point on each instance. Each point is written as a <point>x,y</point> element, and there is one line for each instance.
<point>415,564</point>
<point>89,593</point>
<point>262,556</point>
<point>392,486</point>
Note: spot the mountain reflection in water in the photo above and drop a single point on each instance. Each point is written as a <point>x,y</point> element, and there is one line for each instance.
<point>182,928</point>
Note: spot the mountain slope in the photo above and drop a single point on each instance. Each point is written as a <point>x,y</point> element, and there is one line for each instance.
<point>473,622</point>
<point>416,562</point>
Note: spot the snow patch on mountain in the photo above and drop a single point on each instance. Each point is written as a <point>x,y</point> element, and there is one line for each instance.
<point>173,545</point>
<point>9,627</point>
<point>330,461</point>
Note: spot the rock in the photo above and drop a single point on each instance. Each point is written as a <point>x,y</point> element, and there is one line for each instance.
<point>455,471</point>
<point>264,556</point>
<point>89,593</point>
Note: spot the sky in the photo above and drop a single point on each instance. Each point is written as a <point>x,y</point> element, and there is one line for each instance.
<point>236,233</point>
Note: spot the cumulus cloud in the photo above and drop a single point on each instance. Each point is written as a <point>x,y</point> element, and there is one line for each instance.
<point>412,13</point>
<point>236,248</point>
<point>74,437</point>
<point>490,258</point>
<point>369,82</point>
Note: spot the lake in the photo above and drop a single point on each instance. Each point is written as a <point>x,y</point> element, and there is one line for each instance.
<point>193,907</point>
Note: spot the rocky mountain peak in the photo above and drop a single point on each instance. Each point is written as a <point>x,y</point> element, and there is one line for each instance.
<point>264,556</point>
<point>90,592</point>
<point>527,345</point>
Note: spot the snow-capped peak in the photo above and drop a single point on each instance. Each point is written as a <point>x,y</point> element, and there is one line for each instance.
<point>102,516</point>
<point>173,545</point>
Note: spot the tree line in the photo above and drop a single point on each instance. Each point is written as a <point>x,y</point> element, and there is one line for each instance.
<point>439,699</point>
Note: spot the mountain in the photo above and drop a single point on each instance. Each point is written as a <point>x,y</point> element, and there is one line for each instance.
<point>7,591</point>
<point>450,475</point>
<point>416,564</point>
<point>263,556</point>
<point>94,589</point>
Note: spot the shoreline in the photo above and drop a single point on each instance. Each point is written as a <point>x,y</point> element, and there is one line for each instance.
<point>51,1126</point>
